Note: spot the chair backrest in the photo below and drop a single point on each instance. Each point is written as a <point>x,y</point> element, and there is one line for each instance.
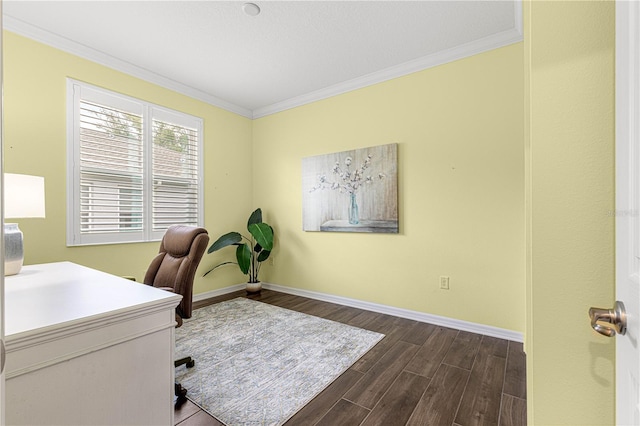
<point>174,267</point>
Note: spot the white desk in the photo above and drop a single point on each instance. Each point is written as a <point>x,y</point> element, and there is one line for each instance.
<point>85,347</point>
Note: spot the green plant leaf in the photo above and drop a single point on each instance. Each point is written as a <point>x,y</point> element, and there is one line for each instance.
<point>217,266</point>
<point>263,234</point>
<point>243,254</point>
<point>256,217</point>
<point>264,255</point>
<point>224,241</point>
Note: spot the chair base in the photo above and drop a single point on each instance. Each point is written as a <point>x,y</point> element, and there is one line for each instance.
<point>180,392</point>
<point>186,360</point>
<point>180,395</point>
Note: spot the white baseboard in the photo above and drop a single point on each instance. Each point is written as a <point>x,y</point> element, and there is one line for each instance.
<point>219,292</point>
<point>487,330</point>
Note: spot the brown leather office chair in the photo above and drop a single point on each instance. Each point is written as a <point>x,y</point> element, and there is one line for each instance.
<point>174,269</point>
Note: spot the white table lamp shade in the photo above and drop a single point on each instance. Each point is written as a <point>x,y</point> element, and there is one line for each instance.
<point>23,198</point>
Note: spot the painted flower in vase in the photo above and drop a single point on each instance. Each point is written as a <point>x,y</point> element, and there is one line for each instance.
<point>349,181</point>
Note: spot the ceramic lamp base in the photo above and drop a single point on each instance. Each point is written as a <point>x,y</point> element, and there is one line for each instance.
<point>13,249</point>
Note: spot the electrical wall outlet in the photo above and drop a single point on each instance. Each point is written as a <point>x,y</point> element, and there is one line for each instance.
<point>444,283</point>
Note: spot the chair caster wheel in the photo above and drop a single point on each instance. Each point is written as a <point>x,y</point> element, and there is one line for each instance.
<point>180,396</point>
<point>180,392</point>
<point>191,364</point>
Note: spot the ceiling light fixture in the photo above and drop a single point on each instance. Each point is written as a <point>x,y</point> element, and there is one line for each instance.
<point>251,9</point>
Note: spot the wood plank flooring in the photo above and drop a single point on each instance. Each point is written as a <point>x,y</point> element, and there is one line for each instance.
<point>419,374</point>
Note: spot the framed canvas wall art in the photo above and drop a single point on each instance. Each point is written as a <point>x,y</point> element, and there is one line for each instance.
<point>351,191</point>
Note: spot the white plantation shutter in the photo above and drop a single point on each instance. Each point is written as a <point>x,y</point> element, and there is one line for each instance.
<point>134,168</point>
<point>176,171</point>
<point>111,170</point>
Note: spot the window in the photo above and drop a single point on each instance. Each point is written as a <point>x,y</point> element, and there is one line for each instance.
<point>134,168</point>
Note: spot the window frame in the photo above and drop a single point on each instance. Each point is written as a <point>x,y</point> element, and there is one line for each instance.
<point>78,91</point>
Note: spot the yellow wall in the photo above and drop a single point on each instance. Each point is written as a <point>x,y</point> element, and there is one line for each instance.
<point>459,128</point>
<point>570,54</point>
<point>35,143</point>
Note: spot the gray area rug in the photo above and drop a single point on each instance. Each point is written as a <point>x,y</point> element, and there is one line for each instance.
<point>258,364</point>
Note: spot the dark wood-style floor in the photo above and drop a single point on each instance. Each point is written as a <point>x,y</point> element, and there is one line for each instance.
<point>419,374</point>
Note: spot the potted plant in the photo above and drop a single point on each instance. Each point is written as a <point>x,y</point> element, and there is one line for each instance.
<point>251,252</point>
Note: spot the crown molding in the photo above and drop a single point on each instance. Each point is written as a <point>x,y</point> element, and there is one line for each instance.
<point>450,55</point>
<point>475,47</point>
<point>495,41</point>
<point>27,30</point>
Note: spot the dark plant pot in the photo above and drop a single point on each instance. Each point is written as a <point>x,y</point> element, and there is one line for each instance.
<point>254,287</point>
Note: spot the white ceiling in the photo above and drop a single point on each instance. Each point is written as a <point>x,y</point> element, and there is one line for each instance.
<point>293,53</point>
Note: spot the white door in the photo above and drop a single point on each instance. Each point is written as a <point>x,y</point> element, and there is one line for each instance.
<point>628,210</point>
<point>2,353</point>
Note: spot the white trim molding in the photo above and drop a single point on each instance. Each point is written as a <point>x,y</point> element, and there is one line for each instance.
<point>507,37</point>
<point>219,292</point>
<point>483,329</point>
<point>45,37</point>
<point>459,52</point>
